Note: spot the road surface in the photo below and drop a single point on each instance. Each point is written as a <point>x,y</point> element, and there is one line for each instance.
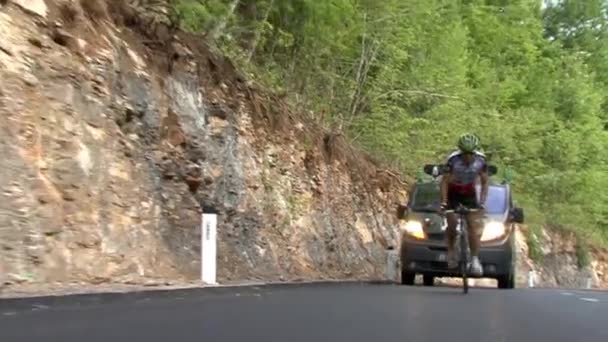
<point>353,313</point>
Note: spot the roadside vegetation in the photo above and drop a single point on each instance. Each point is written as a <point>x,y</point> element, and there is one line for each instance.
<point>403,78</point>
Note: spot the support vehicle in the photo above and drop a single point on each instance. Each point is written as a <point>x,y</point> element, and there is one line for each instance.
<point>423,248</point>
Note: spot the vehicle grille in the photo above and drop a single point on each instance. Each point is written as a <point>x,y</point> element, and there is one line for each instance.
<point>438,265</point>
<point>436,236</point>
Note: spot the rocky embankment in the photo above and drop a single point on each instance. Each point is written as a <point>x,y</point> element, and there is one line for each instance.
<point>116,132</point>
<point>559,264</point>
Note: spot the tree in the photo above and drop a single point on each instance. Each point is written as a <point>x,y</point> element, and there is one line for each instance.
<point>403,78</point>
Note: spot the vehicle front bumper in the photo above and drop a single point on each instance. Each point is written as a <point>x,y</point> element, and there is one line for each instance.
<point>430,259</point>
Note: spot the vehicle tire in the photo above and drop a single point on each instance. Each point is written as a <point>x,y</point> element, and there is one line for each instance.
<point>506,281</point>
<point>428,280</point>
<point>407,278</point>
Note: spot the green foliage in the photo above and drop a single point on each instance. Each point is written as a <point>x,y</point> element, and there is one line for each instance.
<point>582,254</point>
<point>403,78</point>
<point>534,246</point>
<point>198,16</point>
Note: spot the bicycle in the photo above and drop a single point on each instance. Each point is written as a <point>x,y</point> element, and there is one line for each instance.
<point>464,262</point>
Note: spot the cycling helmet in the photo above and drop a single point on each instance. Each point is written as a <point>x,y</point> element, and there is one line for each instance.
<point>468,143</point>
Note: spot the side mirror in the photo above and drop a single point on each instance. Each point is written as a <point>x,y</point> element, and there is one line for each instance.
<point>517,215</point>
<point>429,169</point>
<point>492,170</point>
<point>434,170</point>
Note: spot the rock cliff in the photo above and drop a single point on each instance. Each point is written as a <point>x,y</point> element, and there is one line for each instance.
<point>116,135</point>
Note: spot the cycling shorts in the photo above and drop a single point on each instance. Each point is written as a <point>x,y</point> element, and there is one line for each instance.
<point>466,196</point>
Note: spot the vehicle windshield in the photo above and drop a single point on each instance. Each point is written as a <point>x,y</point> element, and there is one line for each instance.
<point>427,197</point>
<point>497,200</point>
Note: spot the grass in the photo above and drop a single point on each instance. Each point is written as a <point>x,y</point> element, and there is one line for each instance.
<point>561,219</point>
<point>583,255</point>
<point>534,244</point>
<point>534,220</point>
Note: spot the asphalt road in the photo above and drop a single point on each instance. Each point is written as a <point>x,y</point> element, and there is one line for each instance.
<point>354,313</point>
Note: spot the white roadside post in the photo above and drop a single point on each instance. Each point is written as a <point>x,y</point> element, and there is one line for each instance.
<point>209,247</point>
<point>391,264</point>
<point>531,279</point>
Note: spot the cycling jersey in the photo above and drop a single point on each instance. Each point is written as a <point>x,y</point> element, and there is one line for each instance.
<point>464,175</point>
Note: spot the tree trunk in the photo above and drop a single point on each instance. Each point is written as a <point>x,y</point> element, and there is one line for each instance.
<point>258,33</point>
<point>221,26</point>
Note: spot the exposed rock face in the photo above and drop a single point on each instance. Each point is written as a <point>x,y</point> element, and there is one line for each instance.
<point>111,148</point>
<point>37,7</point>
<point>559,264</point>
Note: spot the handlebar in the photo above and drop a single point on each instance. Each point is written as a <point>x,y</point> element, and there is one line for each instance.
<point>462,210</point>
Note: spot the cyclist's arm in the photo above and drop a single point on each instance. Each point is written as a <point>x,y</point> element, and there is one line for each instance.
<point>485,182</point>
<point>444,188</point>
<point>445,180</point>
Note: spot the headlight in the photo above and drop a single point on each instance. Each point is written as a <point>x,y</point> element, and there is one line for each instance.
<point>414,228</point>
<point>492,231</point>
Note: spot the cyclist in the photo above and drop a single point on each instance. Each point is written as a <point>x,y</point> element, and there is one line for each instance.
<point>466,167</point>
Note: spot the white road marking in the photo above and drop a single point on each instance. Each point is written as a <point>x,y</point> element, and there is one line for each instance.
<point>567,293</point>
<point>593,300</point>
<point>37,307</point>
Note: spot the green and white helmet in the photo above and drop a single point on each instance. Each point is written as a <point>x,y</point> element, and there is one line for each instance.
<point>468,143</point>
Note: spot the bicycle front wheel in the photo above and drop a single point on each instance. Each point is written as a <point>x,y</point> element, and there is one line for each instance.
<point>465,280</point>
<point>464,259</point>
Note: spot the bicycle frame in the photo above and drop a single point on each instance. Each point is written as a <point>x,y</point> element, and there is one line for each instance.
<point>462,231</point>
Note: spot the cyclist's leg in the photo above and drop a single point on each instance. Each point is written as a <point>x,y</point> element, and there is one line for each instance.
<point>452,254</point>
<point>475,225</point>
<point>452,221</point>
